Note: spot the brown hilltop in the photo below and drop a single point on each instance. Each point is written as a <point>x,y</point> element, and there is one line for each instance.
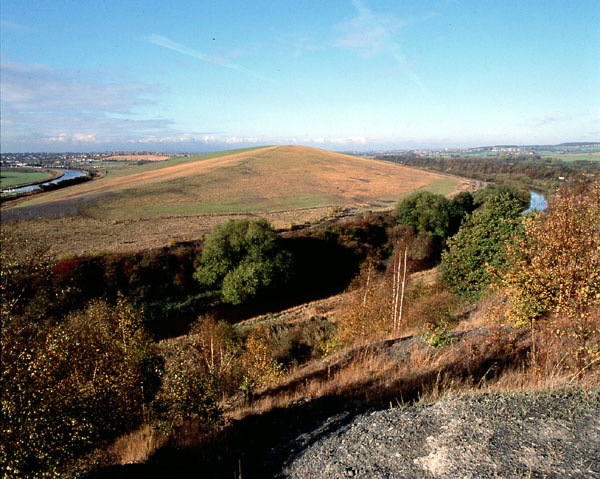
<point>269,178</point>
<point>183,198</point>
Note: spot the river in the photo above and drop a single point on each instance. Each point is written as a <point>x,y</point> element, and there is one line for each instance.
<point>536,203</point>
<point>66,175</point>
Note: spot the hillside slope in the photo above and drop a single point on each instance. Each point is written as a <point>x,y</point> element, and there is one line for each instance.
<point>263,179</point>
<point>183,198</point>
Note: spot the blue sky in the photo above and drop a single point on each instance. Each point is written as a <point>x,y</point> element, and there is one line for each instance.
<point>343,75</point>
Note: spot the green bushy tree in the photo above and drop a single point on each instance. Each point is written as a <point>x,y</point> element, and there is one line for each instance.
<point>426,212</point>
<point>242,259</point>
<point>480,197</point>
<point>479,250</point>
<point>434,214</point>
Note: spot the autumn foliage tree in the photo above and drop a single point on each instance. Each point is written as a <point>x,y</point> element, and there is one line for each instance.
<point>368,306</point>
<point>260,368</point>
<point>199,371</point>
<point>376,301</point>
<point>69,386</point>
<point>557,262</point>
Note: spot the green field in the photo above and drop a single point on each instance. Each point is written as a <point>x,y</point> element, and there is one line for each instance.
<point>443,186</point>
<point>15,177</point>
<point>573,156</point>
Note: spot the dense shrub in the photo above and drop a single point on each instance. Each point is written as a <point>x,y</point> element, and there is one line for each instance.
<point>478,252</point>
<point>243,259</point>
<point>480,197</point>
<point>522,171</point>
<point>296,342</point>
<point>25,278</point>
<point>426,212</point>
<point>556,265</point>
<point>434,215</point>
<point>260,366</point>
<point>69,386</point>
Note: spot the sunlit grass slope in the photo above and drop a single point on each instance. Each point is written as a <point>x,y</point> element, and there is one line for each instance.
<point>263,179</point>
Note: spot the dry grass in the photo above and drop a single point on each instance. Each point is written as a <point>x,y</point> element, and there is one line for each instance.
<point>152,205</point>
<point>137,446</point>
<point>403,369</point>
<point>496,357</point>
<point>279,176</point>
<point>493,357</point>
<point>271,172</point>
<point>82,235</point>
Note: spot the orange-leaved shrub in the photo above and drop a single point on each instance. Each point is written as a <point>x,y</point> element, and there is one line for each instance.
<point>554,284</point>
<point>556,267</point>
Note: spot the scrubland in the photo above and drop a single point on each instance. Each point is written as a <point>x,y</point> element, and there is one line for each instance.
<point>437,299</point>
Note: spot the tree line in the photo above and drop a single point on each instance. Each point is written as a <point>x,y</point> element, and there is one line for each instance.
<point>522,171</point>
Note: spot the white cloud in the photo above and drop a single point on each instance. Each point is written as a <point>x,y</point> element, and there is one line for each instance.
<point>84,138</point>
<point>60,138</point>
<point>370,34</point>
<point>40,88</point>
<point>42,106</point>
<point>349,140</point>
<point>236,139</point>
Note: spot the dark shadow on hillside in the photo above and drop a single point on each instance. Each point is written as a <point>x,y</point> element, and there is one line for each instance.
<point>261,446</point>
<point>52,210</point>
<point>321,269</point>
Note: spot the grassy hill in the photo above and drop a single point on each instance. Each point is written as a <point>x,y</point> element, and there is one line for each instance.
<point>181,198</point>
<point>257,180</point>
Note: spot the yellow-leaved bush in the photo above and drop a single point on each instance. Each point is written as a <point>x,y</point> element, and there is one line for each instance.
<point>71,385</point>
<point>556,268</point>
<point>260,367</point>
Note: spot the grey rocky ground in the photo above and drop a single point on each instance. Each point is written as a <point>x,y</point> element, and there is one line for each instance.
<point>542,435</point>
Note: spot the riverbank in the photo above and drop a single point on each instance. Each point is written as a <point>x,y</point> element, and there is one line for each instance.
<point>60,178</point>
<point>52,174</point>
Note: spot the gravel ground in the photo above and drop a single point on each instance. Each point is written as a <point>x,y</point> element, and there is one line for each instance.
<point>547,435</point>
<point>485,435</point>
